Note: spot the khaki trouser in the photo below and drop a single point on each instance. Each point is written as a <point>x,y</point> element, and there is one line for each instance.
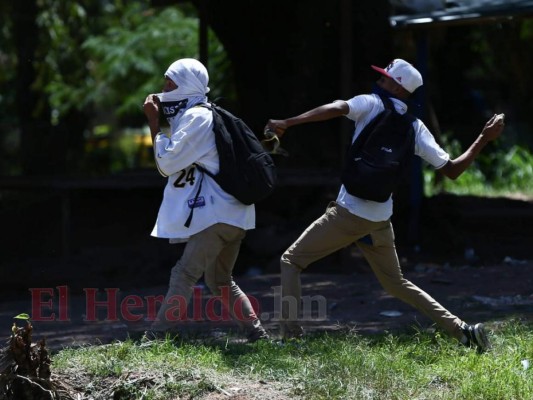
<point>336,229</point>
<point>212,253</point>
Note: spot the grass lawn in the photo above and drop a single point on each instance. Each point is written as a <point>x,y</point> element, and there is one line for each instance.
<point>340,365</point>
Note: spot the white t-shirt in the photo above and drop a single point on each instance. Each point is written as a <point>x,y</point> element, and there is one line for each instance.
<point>192,141</point>
<point>363,109</point>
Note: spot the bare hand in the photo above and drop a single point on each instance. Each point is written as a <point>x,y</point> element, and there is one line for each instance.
<point>494,127</point>
<point>151,107</point>
<point>151,110</point>
<point>278,126</point>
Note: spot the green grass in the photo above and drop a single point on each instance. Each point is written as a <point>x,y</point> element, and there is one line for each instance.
<point>323,366</point>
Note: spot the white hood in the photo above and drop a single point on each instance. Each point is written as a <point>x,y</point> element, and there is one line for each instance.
<point>192,79</point>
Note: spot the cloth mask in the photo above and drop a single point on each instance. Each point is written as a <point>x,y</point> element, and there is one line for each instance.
<point>380,91</point>
<point>376,89</point>
<point>171,108</point>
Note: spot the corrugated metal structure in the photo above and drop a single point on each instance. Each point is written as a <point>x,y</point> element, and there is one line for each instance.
<point>427,13</point>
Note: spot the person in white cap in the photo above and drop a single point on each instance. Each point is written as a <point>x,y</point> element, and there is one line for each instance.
<point>219,222</point>
<point>367,223</point>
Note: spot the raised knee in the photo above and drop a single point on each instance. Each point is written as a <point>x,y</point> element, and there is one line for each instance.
<point>289,269</point>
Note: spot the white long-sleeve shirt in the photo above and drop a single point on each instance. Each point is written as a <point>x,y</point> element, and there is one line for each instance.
<point>192,141</point>
<point>363,109</point>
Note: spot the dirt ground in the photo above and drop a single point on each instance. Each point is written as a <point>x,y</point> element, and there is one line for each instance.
<point>475,257</point>
<point>355,301</point>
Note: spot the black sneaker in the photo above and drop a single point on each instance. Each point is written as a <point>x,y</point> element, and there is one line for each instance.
<point>258,333</point>
<point>475,336</point>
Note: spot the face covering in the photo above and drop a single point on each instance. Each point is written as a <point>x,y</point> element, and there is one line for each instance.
<point>171,108</point>
<point>380,91</point>
<point>192,78</point>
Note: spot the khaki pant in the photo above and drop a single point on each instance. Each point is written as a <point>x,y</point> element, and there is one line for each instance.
<point>212,253</point>
<point>336,229</point>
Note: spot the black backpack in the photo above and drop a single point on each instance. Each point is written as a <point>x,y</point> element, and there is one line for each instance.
<point>246,170</point>
<point>377,160</point>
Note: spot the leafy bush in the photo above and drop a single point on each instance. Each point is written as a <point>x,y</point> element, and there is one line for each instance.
<point>495,172</point>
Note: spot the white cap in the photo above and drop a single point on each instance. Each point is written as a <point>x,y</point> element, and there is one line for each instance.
<point>403,73</point>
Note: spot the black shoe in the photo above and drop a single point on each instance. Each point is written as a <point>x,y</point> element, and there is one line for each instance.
<point>475,336</point>
<point>258,333</point>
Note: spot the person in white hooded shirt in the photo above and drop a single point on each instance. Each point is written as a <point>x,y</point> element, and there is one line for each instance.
<point>194,208</point>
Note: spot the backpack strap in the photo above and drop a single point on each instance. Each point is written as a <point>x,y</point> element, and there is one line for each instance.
<point>209,106</point>
<point>203,171</point>
<point>387,102</point>
<point>189,218</point>
<point>369,127</point>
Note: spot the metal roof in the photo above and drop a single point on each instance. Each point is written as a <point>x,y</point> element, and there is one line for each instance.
<point>427,14</point>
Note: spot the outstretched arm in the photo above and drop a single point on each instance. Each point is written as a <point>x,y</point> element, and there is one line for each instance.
<point>321,113</point>
<point>491,131</point>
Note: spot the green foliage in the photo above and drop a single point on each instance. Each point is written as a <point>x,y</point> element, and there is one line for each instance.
<point>511,171</point>
<point>340,365</point>
<point>22,316</point>
<point>95,64</point>
<point>128,61</point>
<point>496,171</point>
<point>526,31</point>
<point>65,25</point>
<point>118,49</point>
<point>122,51</point>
